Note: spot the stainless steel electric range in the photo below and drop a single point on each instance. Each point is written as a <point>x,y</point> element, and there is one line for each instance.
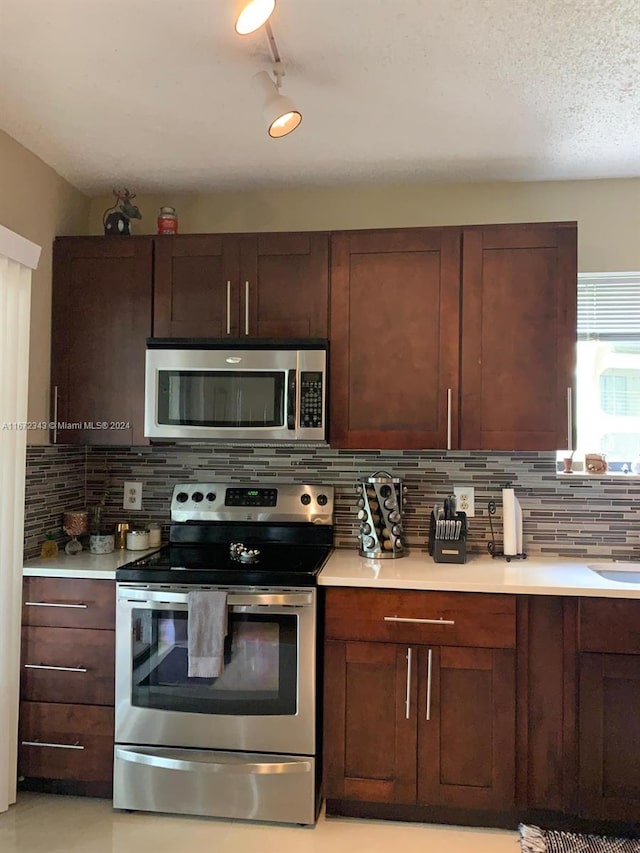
<point>244,744</point>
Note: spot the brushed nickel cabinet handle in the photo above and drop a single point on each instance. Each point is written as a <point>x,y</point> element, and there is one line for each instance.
<point>419,621</point>
<point>79,606</point>
<point>228,307</point>
<point>407,701</point>
<point>449,396</point>
<point>75,745</point>
<point>429,661</point>
<point>56,668</point>
<point>55,414</point>
<point>246,307</point>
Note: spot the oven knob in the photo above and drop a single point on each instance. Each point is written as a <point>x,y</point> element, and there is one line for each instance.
<point>322,500</point>
<point>211,496</point>
<point>181,497</point>
<point>305,499</point>
<point>196,497</point>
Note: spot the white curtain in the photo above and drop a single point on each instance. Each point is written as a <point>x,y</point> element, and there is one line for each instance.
<point>17,258</point>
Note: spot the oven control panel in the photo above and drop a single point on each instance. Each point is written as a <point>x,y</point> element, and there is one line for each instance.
<point>250,496</point>
<point>252,502</point>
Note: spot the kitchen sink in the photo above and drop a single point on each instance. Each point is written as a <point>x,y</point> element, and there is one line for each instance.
<point>620,572</point>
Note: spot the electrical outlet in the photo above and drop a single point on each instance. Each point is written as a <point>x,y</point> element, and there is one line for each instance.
<point>132,496</point>
<point>465,500</point>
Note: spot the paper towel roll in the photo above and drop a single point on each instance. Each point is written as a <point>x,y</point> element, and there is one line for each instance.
<point>512,523</point>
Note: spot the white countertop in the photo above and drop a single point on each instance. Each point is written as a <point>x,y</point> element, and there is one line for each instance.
<point>481,573</point>
<point>82,565</point>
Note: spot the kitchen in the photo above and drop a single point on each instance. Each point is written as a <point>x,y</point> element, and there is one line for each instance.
<point>607,213</point>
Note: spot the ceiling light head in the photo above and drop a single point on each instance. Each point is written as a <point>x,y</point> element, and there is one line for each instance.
<point>252,14</point>
<point>280,113</point>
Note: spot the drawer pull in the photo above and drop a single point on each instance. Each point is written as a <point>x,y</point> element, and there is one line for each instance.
<point>407,701</point>
<point>429,685</point>
<point>420,621</point>
<point>79,606</point>
<point>56,668</point>
<point>75,745</point>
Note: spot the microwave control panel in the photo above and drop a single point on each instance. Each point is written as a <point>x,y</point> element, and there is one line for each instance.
<point>311,398</point>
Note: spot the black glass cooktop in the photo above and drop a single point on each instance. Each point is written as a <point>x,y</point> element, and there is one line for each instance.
<point>276,564</point>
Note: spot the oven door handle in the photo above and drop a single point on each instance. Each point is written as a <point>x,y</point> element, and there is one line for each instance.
<point>150,597</point>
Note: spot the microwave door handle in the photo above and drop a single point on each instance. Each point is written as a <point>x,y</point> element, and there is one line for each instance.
<point>291,400</point>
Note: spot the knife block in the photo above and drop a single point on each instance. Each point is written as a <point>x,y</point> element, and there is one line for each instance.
<point>449,550</point>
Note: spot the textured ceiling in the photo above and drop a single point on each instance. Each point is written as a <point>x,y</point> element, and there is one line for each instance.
<point>158,94</point>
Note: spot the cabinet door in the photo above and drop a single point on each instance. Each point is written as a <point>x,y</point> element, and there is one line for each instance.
<point>196,290</point>
<point>609,786</point>
<point>100,322</point>
<point>369,726</point>
<point>519,290</point>
<point>466,728</point>
<point>284,285</point>
<point>395,310</point>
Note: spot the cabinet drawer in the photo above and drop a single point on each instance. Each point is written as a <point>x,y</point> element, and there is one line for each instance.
<point>67,665</point>
<point>609,625</point>
<point>68,602</point>
<point>441,618</point>
<point>65,742</point>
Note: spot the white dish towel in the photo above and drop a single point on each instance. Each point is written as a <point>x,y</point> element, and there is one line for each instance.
<point>206,630</point>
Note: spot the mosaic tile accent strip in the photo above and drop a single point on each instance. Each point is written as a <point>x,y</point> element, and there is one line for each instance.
<point>55,482</point>
<point>562,516</point>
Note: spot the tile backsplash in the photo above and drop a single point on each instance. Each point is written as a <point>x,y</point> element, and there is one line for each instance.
<point>561,516</point>
<point>55,482</point>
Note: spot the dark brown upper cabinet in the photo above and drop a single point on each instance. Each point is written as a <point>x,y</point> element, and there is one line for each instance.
<point>101,318</point>
<point>447,338</point>
<point>519,296</point>
<point>254,285</point>
<point>395,331</point>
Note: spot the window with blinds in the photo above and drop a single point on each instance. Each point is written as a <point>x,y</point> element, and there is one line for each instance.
<point>609,306</point>
<point>608,368</point>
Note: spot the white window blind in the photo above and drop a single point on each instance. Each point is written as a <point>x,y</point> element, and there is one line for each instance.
<point>609,306</point>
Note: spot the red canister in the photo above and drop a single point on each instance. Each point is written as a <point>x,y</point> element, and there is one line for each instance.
<point>167,221</point>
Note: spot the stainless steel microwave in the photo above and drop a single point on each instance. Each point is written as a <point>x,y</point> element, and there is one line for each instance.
<point>236,389</point>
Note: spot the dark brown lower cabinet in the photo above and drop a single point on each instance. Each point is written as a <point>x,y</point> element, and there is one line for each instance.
<point>419,726</point>
<point>609,723</point>
<point>67,674</point>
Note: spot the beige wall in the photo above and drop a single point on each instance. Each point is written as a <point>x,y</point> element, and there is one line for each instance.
<point>607,211</point>
<point>38,204</point>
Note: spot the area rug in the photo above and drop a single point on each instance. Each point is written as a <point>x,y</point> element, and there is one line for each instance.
<point>536,840</point>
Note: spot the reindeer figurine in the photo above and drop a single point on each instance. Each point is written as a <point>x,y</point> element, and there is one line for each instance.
<point>116,218</point>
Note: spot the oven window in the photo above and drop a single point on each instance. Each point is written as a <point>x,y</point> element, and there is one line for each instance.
<point>260,665</point>
<point>219,398</point>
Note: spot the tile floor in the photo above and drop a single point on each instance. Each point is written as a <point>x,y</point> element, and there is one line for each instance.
<point>42,823</point>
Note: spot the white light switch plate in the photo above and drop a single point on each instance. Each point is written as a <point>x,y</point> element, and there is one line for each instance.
<point>465,500</point>
<point>132,498</point>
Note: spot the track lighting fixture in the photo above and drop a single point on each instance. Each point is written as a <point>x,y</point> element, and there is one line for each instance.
<point>252,14</point>
<point>281,115</point>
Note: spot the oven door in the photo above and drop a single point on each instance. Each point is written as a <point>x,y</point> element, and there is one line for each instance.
<point>264,700</point>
